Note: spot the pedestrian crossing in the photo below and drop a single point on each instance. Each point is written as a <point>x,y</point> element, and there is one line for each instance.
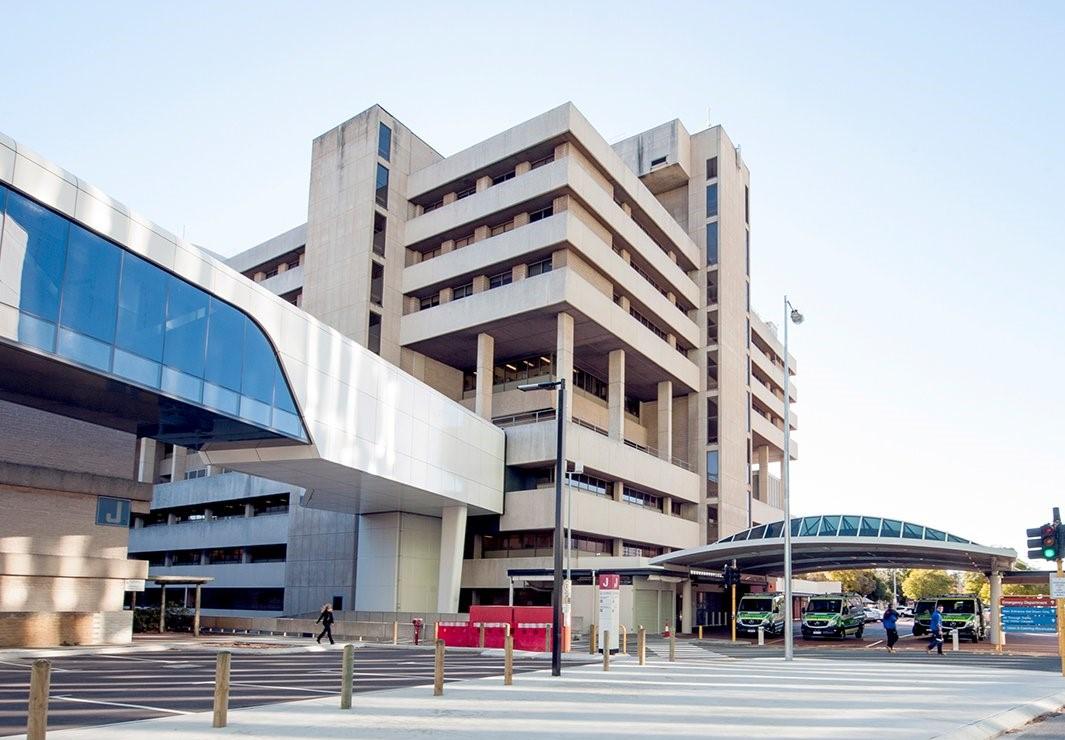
<point>685,650</point>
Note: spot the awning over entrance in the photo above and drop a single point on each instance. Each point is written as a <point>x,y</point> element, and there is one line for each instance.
<point>842,542</point>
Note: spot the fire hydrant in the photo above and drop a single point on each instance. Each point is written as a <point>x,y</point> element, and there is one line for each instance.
<point>417,622</point>
<point>665,631</point>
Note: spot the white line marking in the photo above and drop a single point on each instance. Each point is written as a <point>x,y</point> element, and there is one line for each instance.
<point>873,644</point>
<point>120,704</point>
<point>276,688</point>
<point>27,666</point>
<point>172,663</point>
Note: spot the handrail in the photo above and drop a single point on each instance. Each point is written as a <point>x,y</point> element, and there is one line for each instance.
<point>528,417</point>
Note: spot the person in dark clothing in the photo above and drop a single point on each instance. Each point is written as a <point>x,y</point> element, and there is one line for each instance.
<point>936,629</point>
<point>326,618</point>
<point>890,622</point>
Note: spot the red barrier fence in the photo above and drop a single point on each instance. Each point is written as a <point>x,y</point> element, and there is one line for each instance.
<point>529,625</point>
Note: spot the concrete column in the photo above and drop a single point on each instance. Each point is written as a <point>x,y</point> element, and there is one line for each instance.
<point>245,556</point>
<point>996,595</point>
<point>616,394</point>
<point>171,519</point>
<point>619,547</point>
<point>452,539</point>
<point>147,460</point>
<point>486,351</point>
<point>249,510</point>
<point>519,272</point>
<point>450,197</point>
<point>480,283</point>
<point>762,494</point>
<point>564,359</point>
<point>687,607</point>
<point>522,168</point>
<point>178,464</point>
<point>667,505</point>
<point>481,233</point>
<point>483,183</point>
<point>665,420</point>
<point>447,245</point>
<point>445,295</point>
<point>283,267</point>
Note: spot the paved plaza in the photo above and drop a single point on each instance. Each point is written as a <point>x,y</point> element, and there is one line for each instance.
<point>704,694</point>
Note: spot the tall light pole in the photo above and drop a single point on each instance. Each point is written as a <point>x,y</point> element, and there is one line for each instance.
<point>560,471</point>
<point>790,314</point>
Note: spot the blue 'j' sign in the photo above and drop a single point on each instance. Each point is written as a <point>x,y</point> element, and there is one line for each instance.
<point>112,512</point>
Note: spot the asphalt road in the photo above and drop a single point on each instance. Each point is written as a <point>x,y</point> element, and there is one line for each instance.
<point>102,689</point>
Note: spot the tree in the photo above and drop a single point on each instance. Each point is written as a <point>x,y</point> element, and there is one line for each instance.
<point>977,583</point>
<point>920,583</point>
<point>865,582</point>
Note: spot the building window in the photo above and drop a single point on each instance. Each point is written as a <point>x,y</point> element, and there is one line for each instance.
<point>464,241</point>
<point>543,160</point>
<point>373,333</point>
<point>381,193</point>
<point>225,555</point>
<point>498,281</point>
<point>377,282</point>
<point>711,243</point>
<point>658,161</point>
<point>711,200</point>
<point>384,141</point>
<point>466,192</point>
<point>648,323</point>
<point>590,483</point>
<point>711,168</point>
<point>712,465</point>
<point>501,228</point>
<point>267,553</point>
<point>632,407</point>
<point>379,224</point>
<point>433,300</point>
<point>541,214</point>
<point>433,206</point>
<point>747,204</point>
<point>194,474</point>
<point>641,498</point>
<point>637,550</point>
<point>711,422</point>
<point>503,178</point>
<point>540,267</point>
<point>462,291</point>
<point>748,257</point>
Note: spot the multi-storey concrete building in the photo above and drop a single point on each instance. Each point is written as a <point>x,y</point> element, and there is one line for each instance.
<point>540,252</point>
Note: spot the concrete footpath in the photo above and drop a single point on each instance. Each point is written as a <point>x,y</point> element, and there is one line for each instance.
<point>708,696</point>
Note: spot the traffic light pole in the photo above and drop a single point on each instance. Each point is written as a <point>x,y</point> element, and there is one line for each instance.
<point>1061,624</point>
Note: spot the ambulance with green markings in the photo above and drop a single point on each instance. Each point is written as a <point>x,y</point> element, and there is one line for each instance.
<point>761,610</point>
<point>833,615</point>
<point>963,613</point>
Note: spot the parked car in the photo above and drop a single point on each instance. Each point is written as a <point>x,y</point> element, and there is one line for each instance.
<point>833,615</point>
<point>906,611</point>
<point>873,613</point>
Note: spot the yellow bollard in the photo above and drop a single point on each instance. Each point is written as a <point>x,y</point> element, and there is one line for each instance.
<point>672,646</point>
<point>593,640</point>
<point>508,660</point>
<point>37,717</point>
<point>606,650</point>
<point>700,632</point>
<point>480,640</point>
<point>347,676</point>
<point>624,640</point>
<point>221,689</point>
<point>641,645</point>
<point>438,670</point>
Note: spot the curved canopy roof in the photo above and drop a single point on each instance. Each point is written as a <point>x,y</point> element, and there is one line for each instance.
<point>841,542</point>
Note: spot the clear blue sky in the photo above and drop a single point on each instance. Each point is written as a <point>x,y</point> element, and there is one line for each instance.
<point>906,163</point>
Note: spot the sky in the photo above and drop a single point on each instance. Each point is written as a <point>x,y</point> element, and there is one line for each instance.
<point>906,164</point>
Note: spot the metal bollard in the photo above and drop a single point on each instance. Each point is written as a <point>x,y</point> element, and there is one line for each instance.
<point>641,644</point>
<point>606,650</point>
<point>395,633</point>
<point>700,632</point>
<point>438,670</point>
<point>761,635</point>
<point>221,689</point>
<point>508,660</point>
<point>672,646</point>
<point>347,676</point>
<point>624,640</point>
<point>480,640</point>
<point>37,717</point>
<point>954,636</point>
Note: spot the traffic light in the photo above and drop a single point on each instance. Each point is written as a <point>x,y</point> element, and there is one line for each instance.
<point>731,575</point>
<point>1046,542</point>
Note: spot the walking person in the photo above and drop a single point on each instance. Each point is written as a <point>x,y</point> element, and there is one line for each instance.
<point>326,618</point>
<point>936,629</point>
<point>890,622</point>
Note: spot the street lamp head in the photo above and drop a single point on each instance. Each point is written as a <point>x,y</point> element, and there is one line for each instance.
<point>545,385</point>
<point>796,317</point>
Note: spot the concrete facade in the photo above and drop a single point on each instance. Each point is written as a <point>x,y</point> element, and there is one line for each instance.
<point>545,251</point>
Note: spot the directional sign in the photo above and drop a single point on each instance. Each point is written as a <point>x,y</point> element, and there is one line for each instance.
<point>1028,614</point>
<point>1022,615</point>
<point>1057,586</point>
<point>1026,601</point>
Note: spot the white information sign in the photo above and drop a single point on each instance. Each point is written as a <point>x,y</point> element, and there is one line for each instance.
<point>1057,586</point>
<point>609,610</point>
<point>134,584</point>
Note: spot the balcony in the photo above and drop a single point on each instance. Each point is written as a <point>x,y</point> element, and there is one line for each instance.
<point>267,529</point>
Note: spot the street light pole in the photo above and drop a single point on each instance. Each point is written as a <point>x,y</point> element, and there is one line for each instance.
<point>560,471</point>
<point>790,314</point>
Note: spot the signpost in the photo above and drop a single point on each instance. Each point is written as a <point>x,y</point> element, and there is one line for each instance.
<point>1029,614</point>
<point>609,611</point>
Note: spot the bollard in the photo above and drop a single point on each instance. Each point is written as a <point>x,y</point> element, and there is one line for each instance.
<point>508,660</point>
<point>347,676</point>
<point>37,717</point>
<point>547,639</point>
<point>606,650</point>
<point>593,640</point>
<point>700,632</point>
<point>641,644</point>
<point>480,639</point>
<point>761,636</point>
<point>954,636</point>
<point>436,631</point>
<point>438,670</point>
<point>221,689</point>
<point>395,633</point>
<point>624,640</point>
<point>672,646</point>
